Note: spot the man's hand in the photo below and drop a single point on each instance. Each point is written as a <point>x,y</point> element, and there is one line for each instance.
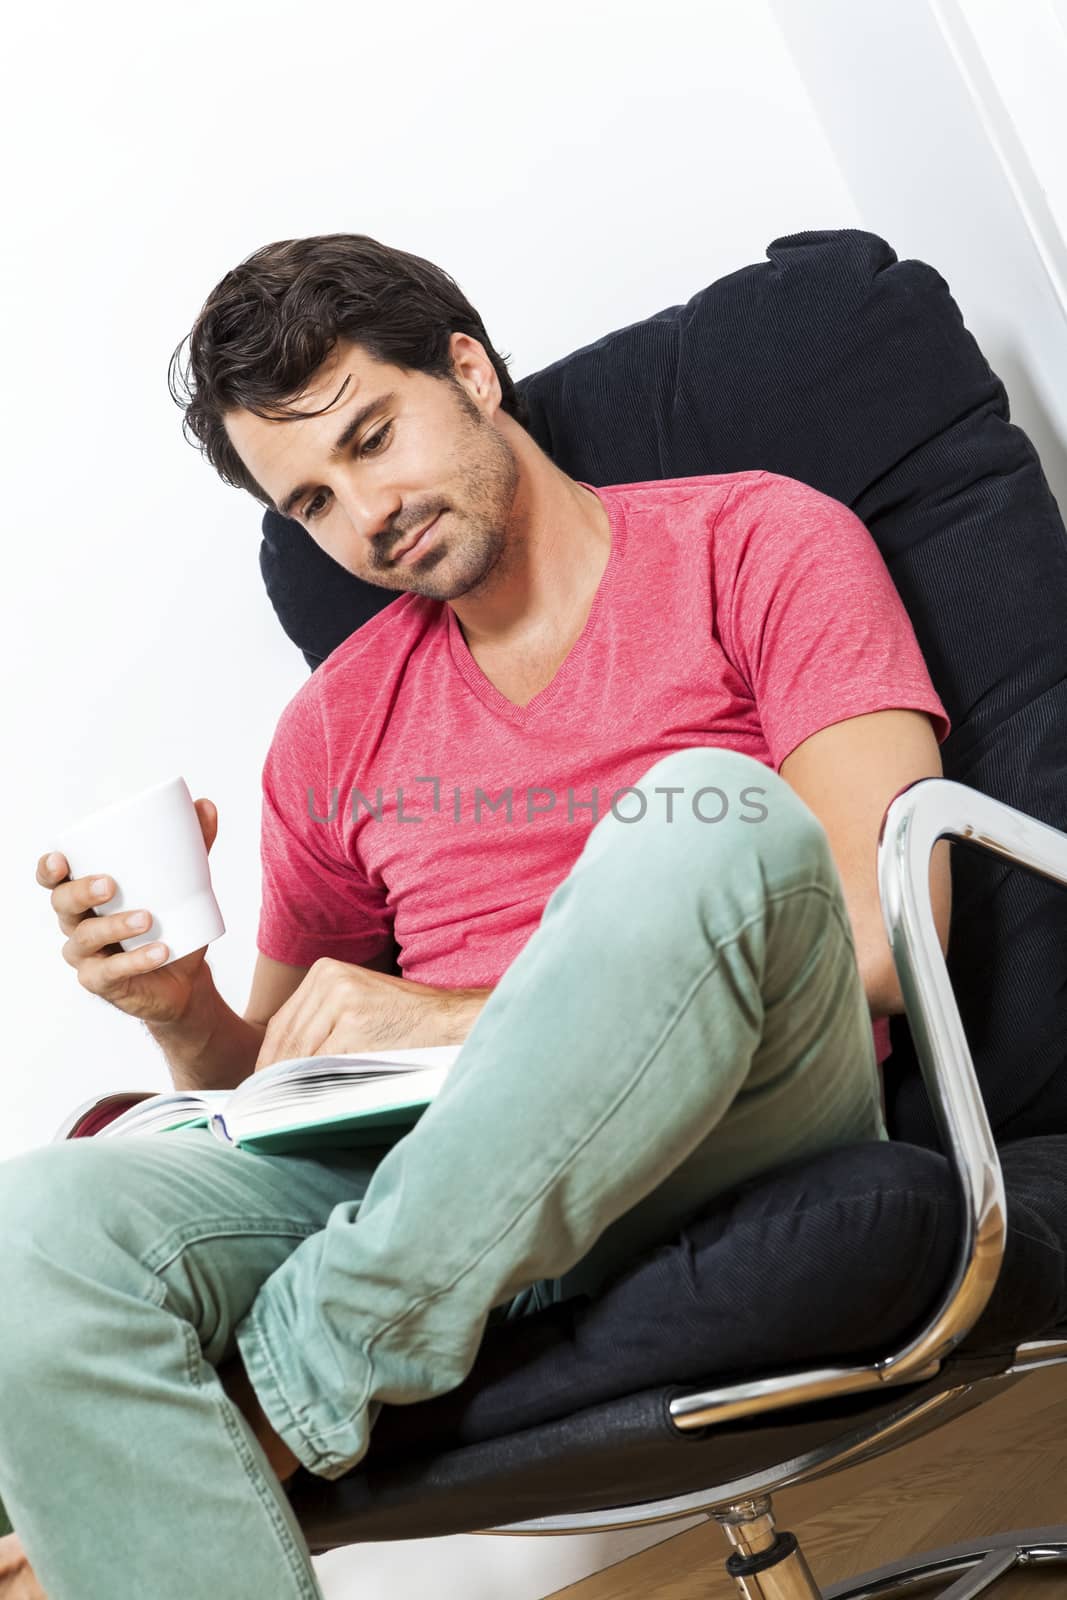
<point>340,1009</point>
<point>235,1381</point>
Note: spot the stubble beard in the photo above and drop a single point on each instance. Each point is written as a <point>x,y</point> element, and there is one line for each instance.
<point>476,547</point>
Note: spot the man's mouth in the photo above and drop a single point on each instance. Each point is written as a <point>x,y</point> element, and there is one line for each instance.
<point>413,551</point>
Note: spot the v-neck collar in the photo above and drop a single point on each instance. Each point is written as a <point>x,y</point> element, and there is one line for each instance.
<point>487,692</point>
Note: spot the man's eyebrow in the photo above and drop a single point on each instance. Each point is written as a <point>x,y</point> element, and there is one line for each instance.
<point>340,444</point>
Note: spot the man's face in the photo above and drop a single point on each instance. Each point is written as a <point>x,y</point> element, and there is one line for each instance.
<point>395,450</point>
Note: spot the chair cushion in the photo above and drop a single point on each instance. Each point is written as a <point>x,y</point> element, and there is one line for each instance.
<point>619,1453</point>
<point>567,1410</point>
<point>835,363</point>
<point>837,1258</point>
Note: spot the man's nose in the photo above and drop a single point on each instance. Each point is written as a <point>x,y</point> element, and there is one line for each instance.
<point>372,513</point>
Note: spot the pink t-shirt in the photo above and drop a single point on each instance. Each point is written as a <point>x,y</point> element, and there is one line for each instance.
<point>741,609</point>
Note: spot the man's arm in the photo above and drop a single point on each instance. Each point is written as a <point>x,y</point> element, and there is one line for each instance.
<point>211,1047</point>
<point>847,774</point>
<point>341,1007</point>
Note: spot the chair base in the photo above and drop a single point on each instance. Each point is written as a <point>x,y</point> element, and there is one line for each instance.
<point>767,1564</point>
<point>976,1566</point>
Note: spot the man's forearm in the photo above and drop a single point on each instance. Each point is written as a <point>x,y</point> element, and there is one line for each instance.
<point>342,1007</point>
<point>211,1047</point>
<point>214,1048</point>
<point>459,1009</point>
<point>882,988</point>
<point>409,1013</point>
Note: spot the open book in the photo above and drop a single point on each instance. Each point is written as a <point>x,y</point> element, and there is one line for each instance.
<point>293,1105</point>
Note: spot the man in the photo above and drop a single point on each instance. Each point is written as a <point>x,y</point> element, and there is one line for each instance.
<point>609,773</point>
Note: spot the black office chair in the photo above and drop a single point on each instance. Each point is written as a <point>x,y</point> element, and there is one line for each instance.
<point>823,1313</point>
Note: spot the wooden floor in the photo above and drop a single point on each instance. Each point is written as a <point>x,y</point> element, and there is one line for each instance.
<point>1001,1466</point>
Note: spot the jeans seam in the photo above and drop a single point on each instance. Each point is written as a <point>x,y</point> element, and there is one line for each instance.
<point>294,1558</point>
<point>166,1250</point>
<point>297,1415</point>
<point>831,897</point>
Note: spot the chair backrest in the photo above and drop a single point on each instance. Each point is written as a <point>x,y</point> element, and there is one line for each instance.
<point>837,364</point>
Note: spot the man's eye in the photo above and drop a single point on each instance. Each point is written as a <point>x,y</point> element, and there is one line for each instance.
<point>383,433</point>
<point>313,507</point>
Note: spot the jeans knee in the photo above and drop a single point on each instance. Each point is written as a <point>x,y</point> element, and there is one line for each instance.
<point>29,1185</point>
<point>706,785</point>
<point>713,801</point>
<point>56,1203</point>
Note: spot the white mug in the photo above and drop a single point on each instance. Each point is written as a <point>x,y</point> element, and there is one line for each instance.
<point>152,847</point>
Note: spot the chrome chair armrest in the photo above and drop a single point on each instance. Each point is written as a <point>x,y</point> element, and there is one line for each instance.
<point>927,810</point>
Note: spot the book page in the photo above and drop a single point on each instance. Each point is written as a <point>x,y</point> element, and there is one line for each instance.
<point>163,1111</point>
<point>283,1080</point>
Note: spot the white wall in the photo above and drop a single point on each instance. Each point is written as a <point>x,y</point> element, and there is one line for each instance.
<point>911,116</point>
<point>574,166</point>
<point>1014,59</point>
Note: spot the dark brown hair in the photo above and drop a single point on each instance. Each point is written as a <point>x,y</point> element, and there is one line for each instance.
<point>271,322</point>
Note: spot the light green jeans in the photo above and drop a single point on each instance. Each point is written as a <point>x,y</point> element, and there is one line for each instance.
<point>688,1012</point>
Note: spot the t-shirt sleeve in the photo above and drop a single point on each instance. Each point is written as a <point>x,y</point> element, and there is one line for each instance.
<point>315,902</point>
<point>808,613</point>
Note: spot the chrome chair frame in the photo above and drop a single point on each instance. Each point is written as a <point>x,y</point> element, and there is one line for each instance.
<point>767,1564</point>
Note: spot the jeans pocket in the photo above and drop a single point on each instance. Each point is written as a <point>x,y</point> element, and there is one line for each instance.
<point>211,1271</point>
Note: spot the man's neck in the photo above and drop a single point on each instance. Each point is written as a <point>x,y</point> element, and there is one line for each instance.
<point>558,546</point>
